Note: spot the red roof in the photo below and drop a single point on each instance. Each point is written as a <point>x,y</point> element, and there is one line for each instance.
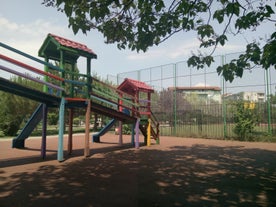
<point>69,43</point>
<point>131,86</point>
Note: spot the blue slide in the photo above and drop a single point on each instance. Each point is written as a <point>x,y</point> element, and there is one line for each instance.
<point>96,137</point>
<point>19,141</point>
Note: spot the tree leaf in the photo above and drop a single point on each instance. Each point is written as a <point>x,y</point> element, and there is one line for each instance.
<point>219,15</point>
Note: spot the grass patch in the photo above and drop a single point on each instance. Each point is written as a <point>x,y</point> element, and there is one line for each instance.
<point>215,131</point>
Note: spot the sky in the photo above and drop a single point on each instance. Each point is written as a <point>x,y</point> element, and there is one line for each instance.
<point>25,24</point>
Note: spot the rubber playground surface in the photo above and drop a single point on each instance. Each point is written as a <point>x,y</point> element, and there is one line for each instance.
<point>178,172</point>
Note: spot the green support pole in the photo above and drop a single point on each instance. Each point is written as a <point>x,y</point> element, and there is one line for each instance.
<point>87,129</point>
<point>174,100</point>
<point>61,65</point>
<point>72,78</point>
<point>46,78</point>
<point>61,130</point>
<point>139,75</point>
<point>133,134</point>
<point>223,102</point>
<point>89,79</point>
<point>268,103</point>
<point>118,81</point>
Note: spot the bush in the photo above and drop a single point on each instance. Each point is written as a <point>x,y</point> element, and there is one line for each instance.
<point>10,128</point>
<point>52,118</point>
<point>76,121</point>
<point>126,129</point>
<point>245,119</point>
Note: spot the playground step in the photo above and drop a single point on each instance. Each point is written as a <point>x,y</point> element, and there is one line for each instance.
<point>143,129</point>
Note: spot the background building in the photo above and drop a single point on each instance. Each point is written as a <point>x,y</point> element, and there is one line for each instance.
<point>205,94</point>
<point>250,96</point>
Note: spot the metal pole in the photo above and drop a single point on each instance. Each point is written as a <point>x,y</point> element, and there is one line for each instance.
<point>137,133</point>
<point>89,78</point>
<point>61,130</point>
<point>174,100</point>
<point>120,133</point>
<point>139,75</point>
<point>46,78</point>
<point>63,72</point>
<point>44,131</point>
<point>161,79</point>
<point>148,132</point>
<point>70,131</point>
<point>87,129</point>
<point>268,103</point>
<point>223,102</point>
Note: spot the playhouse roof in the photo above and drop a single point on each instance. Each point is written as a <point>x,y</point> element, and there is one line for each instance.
<point>131,86</point>
<point>72,50</point>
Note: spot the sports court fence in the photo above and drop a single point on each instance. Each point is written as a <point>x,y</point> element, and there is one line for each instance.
<point>207,111</point>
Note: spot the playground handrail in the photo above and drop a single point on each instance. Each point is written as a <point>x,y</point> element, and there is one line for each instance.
<point>113,88</point>
<point>115,97</point>
<point>41,72</point>
<point>30,78</point>
<point>110,102</point>
<point>31,57</point>
<point>30,68</point>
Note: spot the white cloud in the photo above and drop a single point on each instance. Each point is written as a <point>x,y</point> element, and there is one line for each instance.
<point>154,53</point>
<point>200,84</point>
<point>229,48</point>
<point>174,49</point>
<point>180,50</point>
<point>27,37</point>
<point>183,49</point>
<point>7,25</point>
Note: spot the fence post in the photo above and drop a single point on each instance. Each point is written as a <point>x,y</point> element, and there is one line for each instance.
<point>174,99</point>
<point>223,101</point>
<point>268,103</point>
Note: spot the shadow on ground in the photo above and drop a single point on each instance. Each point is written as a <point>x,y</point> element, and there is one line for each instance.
<point>180,176</point>
<point>52,155</point>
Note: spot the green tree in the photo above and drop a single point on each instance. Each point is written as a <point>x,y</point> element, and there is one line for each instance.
<point>138,25</point>
<point>273,99</point>
<point>14,109</point>
<point>53,117</point>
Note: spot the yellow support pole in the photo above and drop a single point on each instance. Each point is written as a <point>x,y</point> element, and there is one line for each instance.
<point>148,132</point>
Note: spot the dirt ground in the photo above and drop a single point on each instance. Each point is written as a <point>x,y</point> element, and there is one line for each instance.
<point>178,172</point>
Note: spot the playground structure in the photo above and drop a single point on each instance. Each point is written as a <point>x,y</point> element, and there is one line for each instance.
<point>66,89</point>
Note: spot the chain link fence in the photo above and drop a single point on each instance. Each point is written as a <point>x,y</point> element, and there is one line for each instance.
<point>200,103</point>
